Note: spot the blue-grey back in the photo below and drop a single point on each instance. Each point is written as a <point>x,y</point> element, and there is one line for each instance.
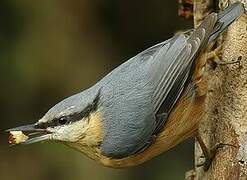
<point>129,98</point>
<point>128,114</point>
<point>132,94</point>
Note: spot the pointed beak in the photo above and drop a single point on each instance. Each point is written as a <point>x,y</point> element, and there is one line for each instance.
<point>28,134</point>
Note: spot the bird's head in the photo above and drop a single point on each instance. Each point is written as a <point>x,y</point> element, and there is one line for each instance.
<point>72,121</point>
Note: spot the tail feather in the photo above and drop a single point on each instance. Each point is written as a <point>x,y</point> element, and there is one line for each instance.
<point>225,18</point>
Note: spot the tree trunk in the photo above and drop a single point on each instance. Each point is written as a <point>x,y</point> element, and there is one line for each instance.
<point>226,107</point>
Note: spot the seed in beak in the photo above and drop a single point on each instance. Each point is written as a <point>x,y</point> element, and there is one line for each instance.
<point>16,137</point>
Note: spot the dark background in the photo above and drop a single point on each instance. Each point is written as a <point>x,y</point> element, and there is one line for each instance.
<point>52,49</point>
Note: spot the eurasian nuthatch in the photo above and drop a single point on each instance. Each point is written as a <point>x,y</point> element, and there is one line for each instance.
<point>142,108</point>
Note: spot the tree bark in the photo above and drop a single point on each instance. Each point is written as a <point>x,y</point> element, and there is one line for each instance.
<point>226,106</point>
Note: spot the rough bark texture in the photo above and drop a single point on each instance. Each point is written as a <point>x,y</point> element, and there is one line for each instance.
<point>226,112</point>
<point>201,8</point>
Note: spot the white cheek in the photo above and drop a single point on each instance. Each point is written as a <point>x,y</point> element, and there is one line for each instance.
<point>72,132</point>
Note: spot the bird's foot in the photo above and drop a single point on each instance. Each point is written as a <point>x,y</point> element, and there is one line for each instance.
<point>216,53</point>
<point>220,62</point>
<point>209,154</point>
<point>214,58</point>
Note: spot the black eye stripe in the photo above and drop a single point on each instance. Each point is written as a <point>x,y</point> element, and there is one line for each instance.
<point>63,120</point>
<point>41,125</point>
<point>90,108</point>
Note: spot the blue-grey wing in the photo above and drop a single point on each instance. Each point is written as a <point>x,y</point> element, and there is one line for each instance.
<point>179,60</point>
<point>135,91</point>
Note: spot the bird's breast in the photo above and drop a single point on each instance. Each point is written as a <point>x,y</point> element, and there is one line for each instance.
<point>90,142</point>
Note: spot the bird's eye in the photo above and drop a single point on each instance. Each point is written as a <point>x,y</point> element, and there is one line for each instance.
<point>62,120</point>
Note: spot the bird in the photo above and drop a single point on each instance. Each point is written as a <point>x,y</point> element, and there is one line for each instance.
<point>142,108</point>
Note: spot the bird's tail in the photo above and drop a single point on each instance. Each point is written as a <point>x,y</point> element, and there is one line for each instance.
<point>225,18</point>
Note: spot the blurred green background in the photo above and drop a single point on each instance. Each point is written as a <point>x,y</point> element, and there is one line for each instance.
<point>52,49</point>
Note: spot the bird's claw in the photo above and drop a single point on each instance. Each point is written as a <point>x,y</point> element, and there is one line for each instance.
<point>214,58</point>
<point>209,154</point>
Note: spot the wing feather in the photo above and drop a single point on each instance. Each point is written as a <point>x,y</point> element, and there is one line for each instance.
<point>180,56</point>
<point>142,92</point>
